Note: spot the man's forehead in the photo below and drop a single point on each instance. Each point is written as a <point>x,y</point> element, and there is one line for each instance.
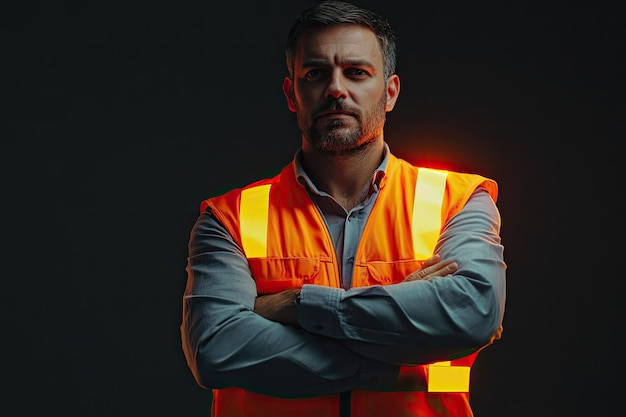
<point>345,41</point>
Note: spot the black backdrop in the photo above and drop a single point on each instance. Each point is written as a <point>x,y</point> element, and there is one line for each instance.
<point>121,118</point>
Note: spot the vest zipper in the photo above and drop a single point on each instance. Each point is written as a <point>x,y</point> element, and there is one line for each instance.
<point>345,406</point>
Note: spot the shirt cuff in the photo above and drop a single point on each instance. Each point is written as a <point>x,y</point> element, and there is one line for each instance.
<point>318,309</point>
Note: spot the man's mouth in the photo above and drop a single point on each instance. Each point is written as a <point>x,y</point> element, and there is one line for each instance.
<point>335,114</point>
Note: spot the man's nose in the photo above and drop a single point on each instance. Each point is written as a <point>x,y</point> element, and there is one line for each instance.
<point>336,87</point>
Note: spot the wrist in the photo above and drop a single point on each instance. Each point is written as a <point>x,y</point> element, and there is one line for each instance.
<point>295,304</point>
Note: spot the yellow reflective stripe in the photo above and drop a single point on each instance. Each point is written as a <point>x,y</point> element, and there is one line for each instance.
<point>445,378</point>
<point>253,217</point>
<point>426,220</point>
<point>426,225</point>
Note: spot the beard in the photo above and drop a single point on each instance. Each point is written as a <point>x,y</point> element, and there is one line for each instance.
<point>337,136</point>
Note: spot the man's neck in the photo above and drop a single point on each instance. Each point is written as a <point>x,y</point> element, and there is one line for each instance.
<point>346,177</point>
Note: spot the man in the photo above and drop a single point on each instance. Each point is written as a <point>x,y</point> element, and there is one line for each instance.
<point>352,283</point>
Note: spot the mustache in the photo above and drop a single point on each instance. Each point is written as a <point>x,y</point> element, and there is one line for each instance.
<point>336,106</point>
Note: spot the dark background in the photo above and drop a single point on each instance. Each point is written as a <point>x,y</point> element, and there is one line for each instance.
<point>121,118</point>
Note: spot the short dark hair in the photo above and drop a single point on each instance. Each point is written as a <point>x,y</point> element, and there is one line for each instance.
<point>333,12</point>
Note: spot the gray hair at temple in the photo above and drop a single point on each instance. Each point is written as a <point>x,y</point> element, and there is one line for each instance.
<point>332,12</point>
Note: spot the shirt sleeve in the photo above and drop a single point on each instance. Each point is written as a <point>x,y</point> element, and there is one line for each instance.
<point>226,344</point>
<point>418,322</point>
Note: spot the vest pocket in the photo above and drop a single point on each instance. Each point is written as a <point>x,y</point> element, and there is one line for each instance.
<point>383,273</point>
<point>273,275</point>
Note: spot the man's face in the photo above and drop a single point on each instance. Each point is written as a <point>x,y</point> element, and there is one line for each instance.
<point>339,92</point>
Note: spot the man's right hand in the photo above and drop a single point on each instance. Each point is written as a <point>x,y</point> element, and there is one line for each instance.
<point>433,267</point>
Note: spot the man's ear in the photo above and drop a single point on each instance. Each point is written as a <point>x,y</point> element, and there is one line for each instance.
<point>288,92</point>
<point>393,90</point>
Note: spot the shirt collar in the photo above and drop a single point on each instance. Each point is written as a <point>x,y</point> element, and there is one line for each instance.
<point>377,176</point>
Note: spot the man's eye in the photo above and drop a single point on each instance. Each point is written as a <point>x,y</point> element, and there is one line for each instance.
<point>356,72</point>
<point>314,74</point>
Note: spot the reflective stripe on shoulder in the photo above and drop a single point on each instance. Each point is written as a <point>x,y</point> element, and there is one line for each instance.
<point>253,216</point>
<point>426,218</point>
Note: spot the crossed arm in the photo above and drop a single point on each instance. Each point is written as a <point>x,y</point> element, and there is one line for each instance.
<point>281,307</point>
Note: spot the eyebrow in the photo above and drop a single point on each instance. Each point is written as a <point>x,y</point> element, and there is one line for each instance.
<point>319,62</point>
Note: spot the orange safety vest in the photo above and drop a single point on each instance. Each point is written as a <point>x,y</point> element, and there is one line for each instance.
<point>287,245</point>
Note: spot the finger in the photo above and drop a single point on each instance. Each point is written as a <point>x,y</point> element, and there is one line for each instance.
<point>431,261</point>
<point>444,267</point>
<point>439,269</point>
